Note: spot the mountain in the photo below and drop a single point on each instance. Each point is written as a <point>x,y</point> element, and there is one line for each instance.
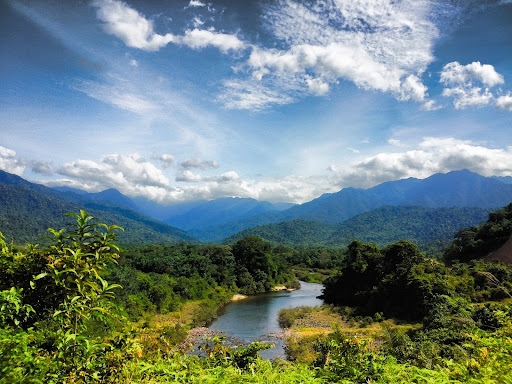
<point>28,209</point>
<point>422,225</point>
<point>490,240</point>
<point>215,220</point>
<point>453,189</point>
<point>503,179</point>
<point>428,227</point>
<point>203,218</point>
<point>294,233</point>
<point>222,211</point>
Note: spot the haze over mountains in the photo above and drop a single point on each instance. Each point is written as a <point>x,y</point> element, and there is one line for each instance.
<point>323,220</point>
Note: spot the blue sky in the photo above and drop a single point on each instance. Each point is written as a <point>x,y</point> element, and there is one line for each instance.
<point>277,100</point>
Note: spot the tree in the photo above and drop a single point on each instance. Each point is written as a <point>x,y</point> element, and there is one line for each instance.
<point>76,260</point>
<point>253,256</point>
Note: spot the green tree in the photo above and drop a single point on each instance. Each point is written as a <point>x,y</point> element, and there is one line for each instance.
<point>76,260</point>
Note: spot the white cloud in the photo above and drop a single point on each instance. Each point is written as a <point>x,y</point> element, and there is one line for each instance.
<point>134,63</point>
<point>42,167</point>
<point>377,44</point>
<point>200,38</point>
<point>227,177</point>
<point>189,177</point>
<point>431,105</point>
<point>165,159</point>
<point>197,22</point>
<point>199,164</point>
<point>252,96</point>
<point>135,176</point>
<point>136,31</point>
<point>433,155</point>
<point>504,102</point>
<point>10,163</point>
<point>412,88</point>
<point>195,3</point>
<point>395,142</point>
<point>130,174</point>
<point>472,97</point>
<point>117,93</point>
<point>469,84</point>
<point>317,86</point>
<point>455,74</point>
<point>130,26</point>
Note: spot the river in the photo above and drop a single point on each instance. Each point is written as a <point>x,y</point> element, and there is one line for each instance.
<point>255,318</point>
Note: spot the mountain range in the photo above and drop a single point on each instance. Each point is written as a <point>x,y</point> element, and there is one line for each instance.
<point>28,209</point>
<point>331,219</point>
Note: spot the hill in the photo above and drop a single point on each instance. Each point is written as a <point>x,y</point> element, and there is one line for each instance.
<point>424,226</point>
<point>457,189</point>
<point>443,190</point>
<point>489,240</point>
<point>428,227</point>
<point>295,232</point>
<point>216,220</point>
<point>27,209</point>
<point>222,211</point>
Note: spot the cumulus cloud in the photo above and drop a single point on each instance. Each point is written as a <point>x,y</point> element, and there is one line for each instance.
<point>468,97</point>
<point>189,177</point>
<point>199,164</point>
<point>457,74</point>
<point>135,176</point>
<point>11,163</point>
<point>433,155</point>
<point>317,86</point>
<point>42,167</point>
<point>470,84</point>
<point>431,105</point>
<point>200,38</point>
<point>504,102</point>
<point>130,26</point>
<point>131,174</point>
<point>376,44</point>
<point>136,31</point>
<point>165,159</point>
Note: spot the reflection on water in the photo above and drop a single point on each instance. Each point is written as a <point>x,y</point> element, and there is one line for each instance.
<point>255,318</point>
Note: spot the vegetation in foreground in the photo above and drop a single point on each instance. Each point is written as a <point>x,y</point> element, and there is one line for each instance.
<point>60,321</point>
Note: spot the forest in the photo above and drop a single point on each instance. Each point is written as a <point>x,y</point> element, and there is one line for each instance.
<point>81,308</point>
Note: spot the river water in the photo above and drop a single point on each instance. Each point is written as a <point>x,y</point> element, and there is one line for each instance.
<point>255,318</point>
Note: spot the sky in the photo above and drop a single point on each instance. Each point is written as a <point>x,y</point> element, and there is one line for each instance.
<point>277,100</point>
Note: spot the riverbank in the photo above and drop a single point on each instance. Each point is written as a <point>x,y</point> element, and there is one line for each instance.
<point>280,288</point>
<point>304,327</point>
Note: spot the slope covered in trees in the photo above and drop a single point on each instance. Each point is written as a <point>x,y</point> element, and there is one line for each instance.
<point>27,210</point>
<point>215,220</point>
<point>478,242</point>
<point>62,323</point>
<point>431,228</point>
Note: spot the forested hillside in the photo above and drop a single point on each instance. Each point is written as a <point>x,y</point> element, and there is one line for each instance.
<point>478,242</point>
<point>215,220</point>
<point>81,310</point>
<point>431,228</point>
<point>27,210</point>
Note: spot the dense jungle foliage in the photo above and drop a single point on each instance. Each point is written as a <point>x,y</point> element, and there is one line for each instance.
<point>432,229</point>
<point>66,319</point>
